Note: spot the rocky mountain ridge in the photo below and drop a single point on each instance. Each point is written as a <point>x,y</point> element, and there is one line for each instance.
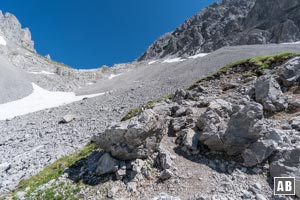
<point>228,23</point>
<point>11,29</point>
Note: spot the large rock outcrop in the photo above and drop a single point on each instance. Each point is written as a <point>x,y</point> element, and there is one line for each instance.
<point>276,20</point>
<point>231,22</point>
<point>133,139</point>
<point>213,123</point>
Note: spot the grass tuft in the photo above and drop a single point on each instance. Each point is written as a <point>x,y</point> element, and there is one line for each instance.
<point>61,191</point>
<point>256,64</point>
<point>54,170</point>
<point>132,113</point>
<point>148,105</point>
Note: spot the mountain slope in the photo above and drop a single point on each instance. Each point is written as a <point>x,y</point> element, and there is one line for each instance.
<point>30,142</point>
<point>129,90</point>
<point>231,22</point>
<point>21,65</point>
<point>14,83</point>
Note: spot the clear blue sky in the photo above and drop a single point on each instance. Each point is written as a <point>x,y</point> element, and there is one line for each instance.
<point>91,33</point>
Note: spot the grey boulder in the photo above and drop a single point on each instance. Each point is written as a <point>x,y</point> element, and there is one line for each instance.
<point>210,121</point>
<point>221,107</point>
<point>137,138</point>
<point>107,164</point>
<point>190,139</point>
<point>244,128</point>
<point>67,119</point>
<point>289,73</point>
<point>165,159</point>
<point>177,124</point>
<point>269,94</point>
<point>213,127</point>
<point>166,174</point>
<point>180,112</point>
<point>258,152</point>
<point>179,96</point>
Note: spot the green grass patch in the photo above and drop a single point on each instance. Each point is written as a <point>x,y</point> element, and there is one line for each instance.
<point>251,66</point>
<point>148,105</point>
<point>132,113</point>
<point>59,192</point>
<point>54,170</point>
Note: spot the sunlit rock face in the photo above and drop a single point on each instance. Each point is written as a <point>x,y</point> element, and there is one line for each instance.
<point>11,29</point>
<point>231,22</point>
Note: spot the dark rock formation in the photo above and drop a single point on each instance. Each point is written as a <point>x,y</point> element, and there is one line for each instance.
<point>231,22</point>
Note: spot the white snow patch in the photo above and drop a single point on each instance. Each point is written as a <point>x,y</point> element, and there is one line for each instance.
<point>42,72</point>
<point>88,70</point>
<point>200,55</point>
<point>113,76</point>
<point>173,60</point>
<point>152,62</point>
<point>39,99</point>
<point>292,43</point>
<point>90,83</point>
<point>2,41</point>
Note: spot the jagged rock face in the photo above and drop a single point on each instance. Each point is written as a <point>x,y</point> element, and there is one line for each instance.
<point>204,32</point>
<point>231,22</point>
<point>279,19</point>
<point>11,28</point>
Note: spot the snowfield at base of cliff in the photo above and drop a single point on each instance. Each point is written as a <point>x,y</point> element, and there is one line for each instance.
<point>40,99</point>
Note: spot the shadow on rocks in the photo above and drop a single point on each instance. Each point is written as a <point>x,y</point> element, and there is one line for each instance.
<point>219,162</point>
<point>84,170</point>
